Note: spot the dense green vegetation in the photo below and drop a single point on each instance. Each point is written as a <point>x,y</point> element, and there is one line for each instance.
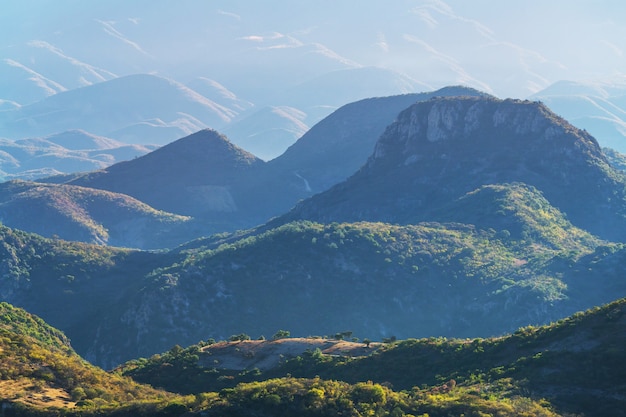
<point>336,272</point>
<point>42,367</point>
<point>410,281</point>
<point>71,284</point>
<point>569,366</point>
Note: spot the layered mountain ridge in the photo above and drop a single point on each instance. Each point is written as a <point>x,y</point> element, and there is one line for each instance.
<point>483,196</point>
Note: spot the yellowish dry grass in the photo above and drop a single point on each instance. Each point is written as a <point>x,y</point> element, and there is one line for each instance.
<point>24,391</point>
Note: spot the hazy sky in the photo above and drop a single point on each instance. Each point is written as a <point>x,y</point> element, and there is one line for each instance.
<point>510,48</point>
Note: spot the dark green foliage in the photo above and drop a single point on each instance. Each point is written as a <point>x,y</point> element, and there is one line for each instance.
<point>15,320</point>
<point>281,334</point>
<point>570,364</point>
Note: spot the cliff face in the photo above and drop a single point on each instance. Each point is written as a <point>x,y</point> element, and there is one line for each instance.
<point>486,128</point>
<point>441,149</point>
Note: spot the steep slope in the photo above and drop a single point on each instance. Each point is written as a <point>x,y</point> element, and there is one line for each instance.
<point>330,151</point>
<point>87,215</point>
<point>210,178</point>
<point>441,149</point>
<point>40,374</point>
<point>340,144</point>
<point>110,107</point>
<point>71,285</point>
<point>195,175</point>
<point>375,279</point>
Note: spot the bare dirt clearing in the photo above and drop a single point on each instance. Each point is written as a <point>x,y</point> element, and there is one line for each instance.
<point>266,354</point>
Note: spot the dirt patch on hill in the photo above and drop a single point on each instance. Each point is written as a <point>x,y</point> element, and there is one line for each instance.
<point>266,354</point>
<point>24,391</point>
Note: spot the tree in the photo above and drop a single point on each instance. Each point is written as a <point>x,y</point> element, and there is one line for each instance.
<point>281,334</point>
<point>239,337</point>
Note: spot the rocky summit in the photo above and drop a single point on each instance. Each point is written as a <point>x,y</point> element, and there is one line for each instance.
<point>441,149</point>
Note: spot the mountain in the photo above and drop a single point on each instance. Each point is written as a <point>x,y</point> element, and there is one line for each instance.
<point>375,279</point>
<point>197,175</point>
<point>218,93</point>
<point>598,107</point>
<point>340,144</point>
<point>62,153</point>
<point>87,215</point>
<point>237,196</point>
<point>116,107</point>
<point>565,368</point>
<point>616,159</point>
<point>71,285</point>
<point>79,140</point>
<point>42,377</point>
<point>441,149</point>
<point>492,250</point>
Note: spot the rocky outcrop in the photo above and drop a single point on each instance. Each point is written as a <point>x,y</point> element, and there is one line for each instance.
<point>441,149</point>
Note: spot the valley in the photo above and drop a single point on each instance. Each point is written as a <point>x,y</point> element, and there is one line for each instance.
<point>259,209</point>
<point>450,255</point>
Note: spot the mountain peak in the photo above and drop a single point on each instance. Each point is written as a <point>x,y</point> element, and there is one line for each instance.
<point>486,123</point>
<point>208,145</point>
<point>190,175</point>
<point>440,149</point>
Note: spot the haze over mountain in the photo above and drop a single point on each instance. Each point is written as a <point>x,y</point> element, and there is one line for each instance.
<point>207,176</point>
<point>63,153</point>
<point>599,107</point>
<point>286,58</point>
<point>163,109</point>
<point>232,168</point>
<point>260,45</point>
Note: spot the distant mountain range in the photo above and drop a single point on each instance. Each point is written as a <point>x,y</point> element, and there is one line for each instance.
<point>226,188</point>
<point>62,153</point>
<point>134,109</point>
<point>598,107</point>
<point>148,109</point>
